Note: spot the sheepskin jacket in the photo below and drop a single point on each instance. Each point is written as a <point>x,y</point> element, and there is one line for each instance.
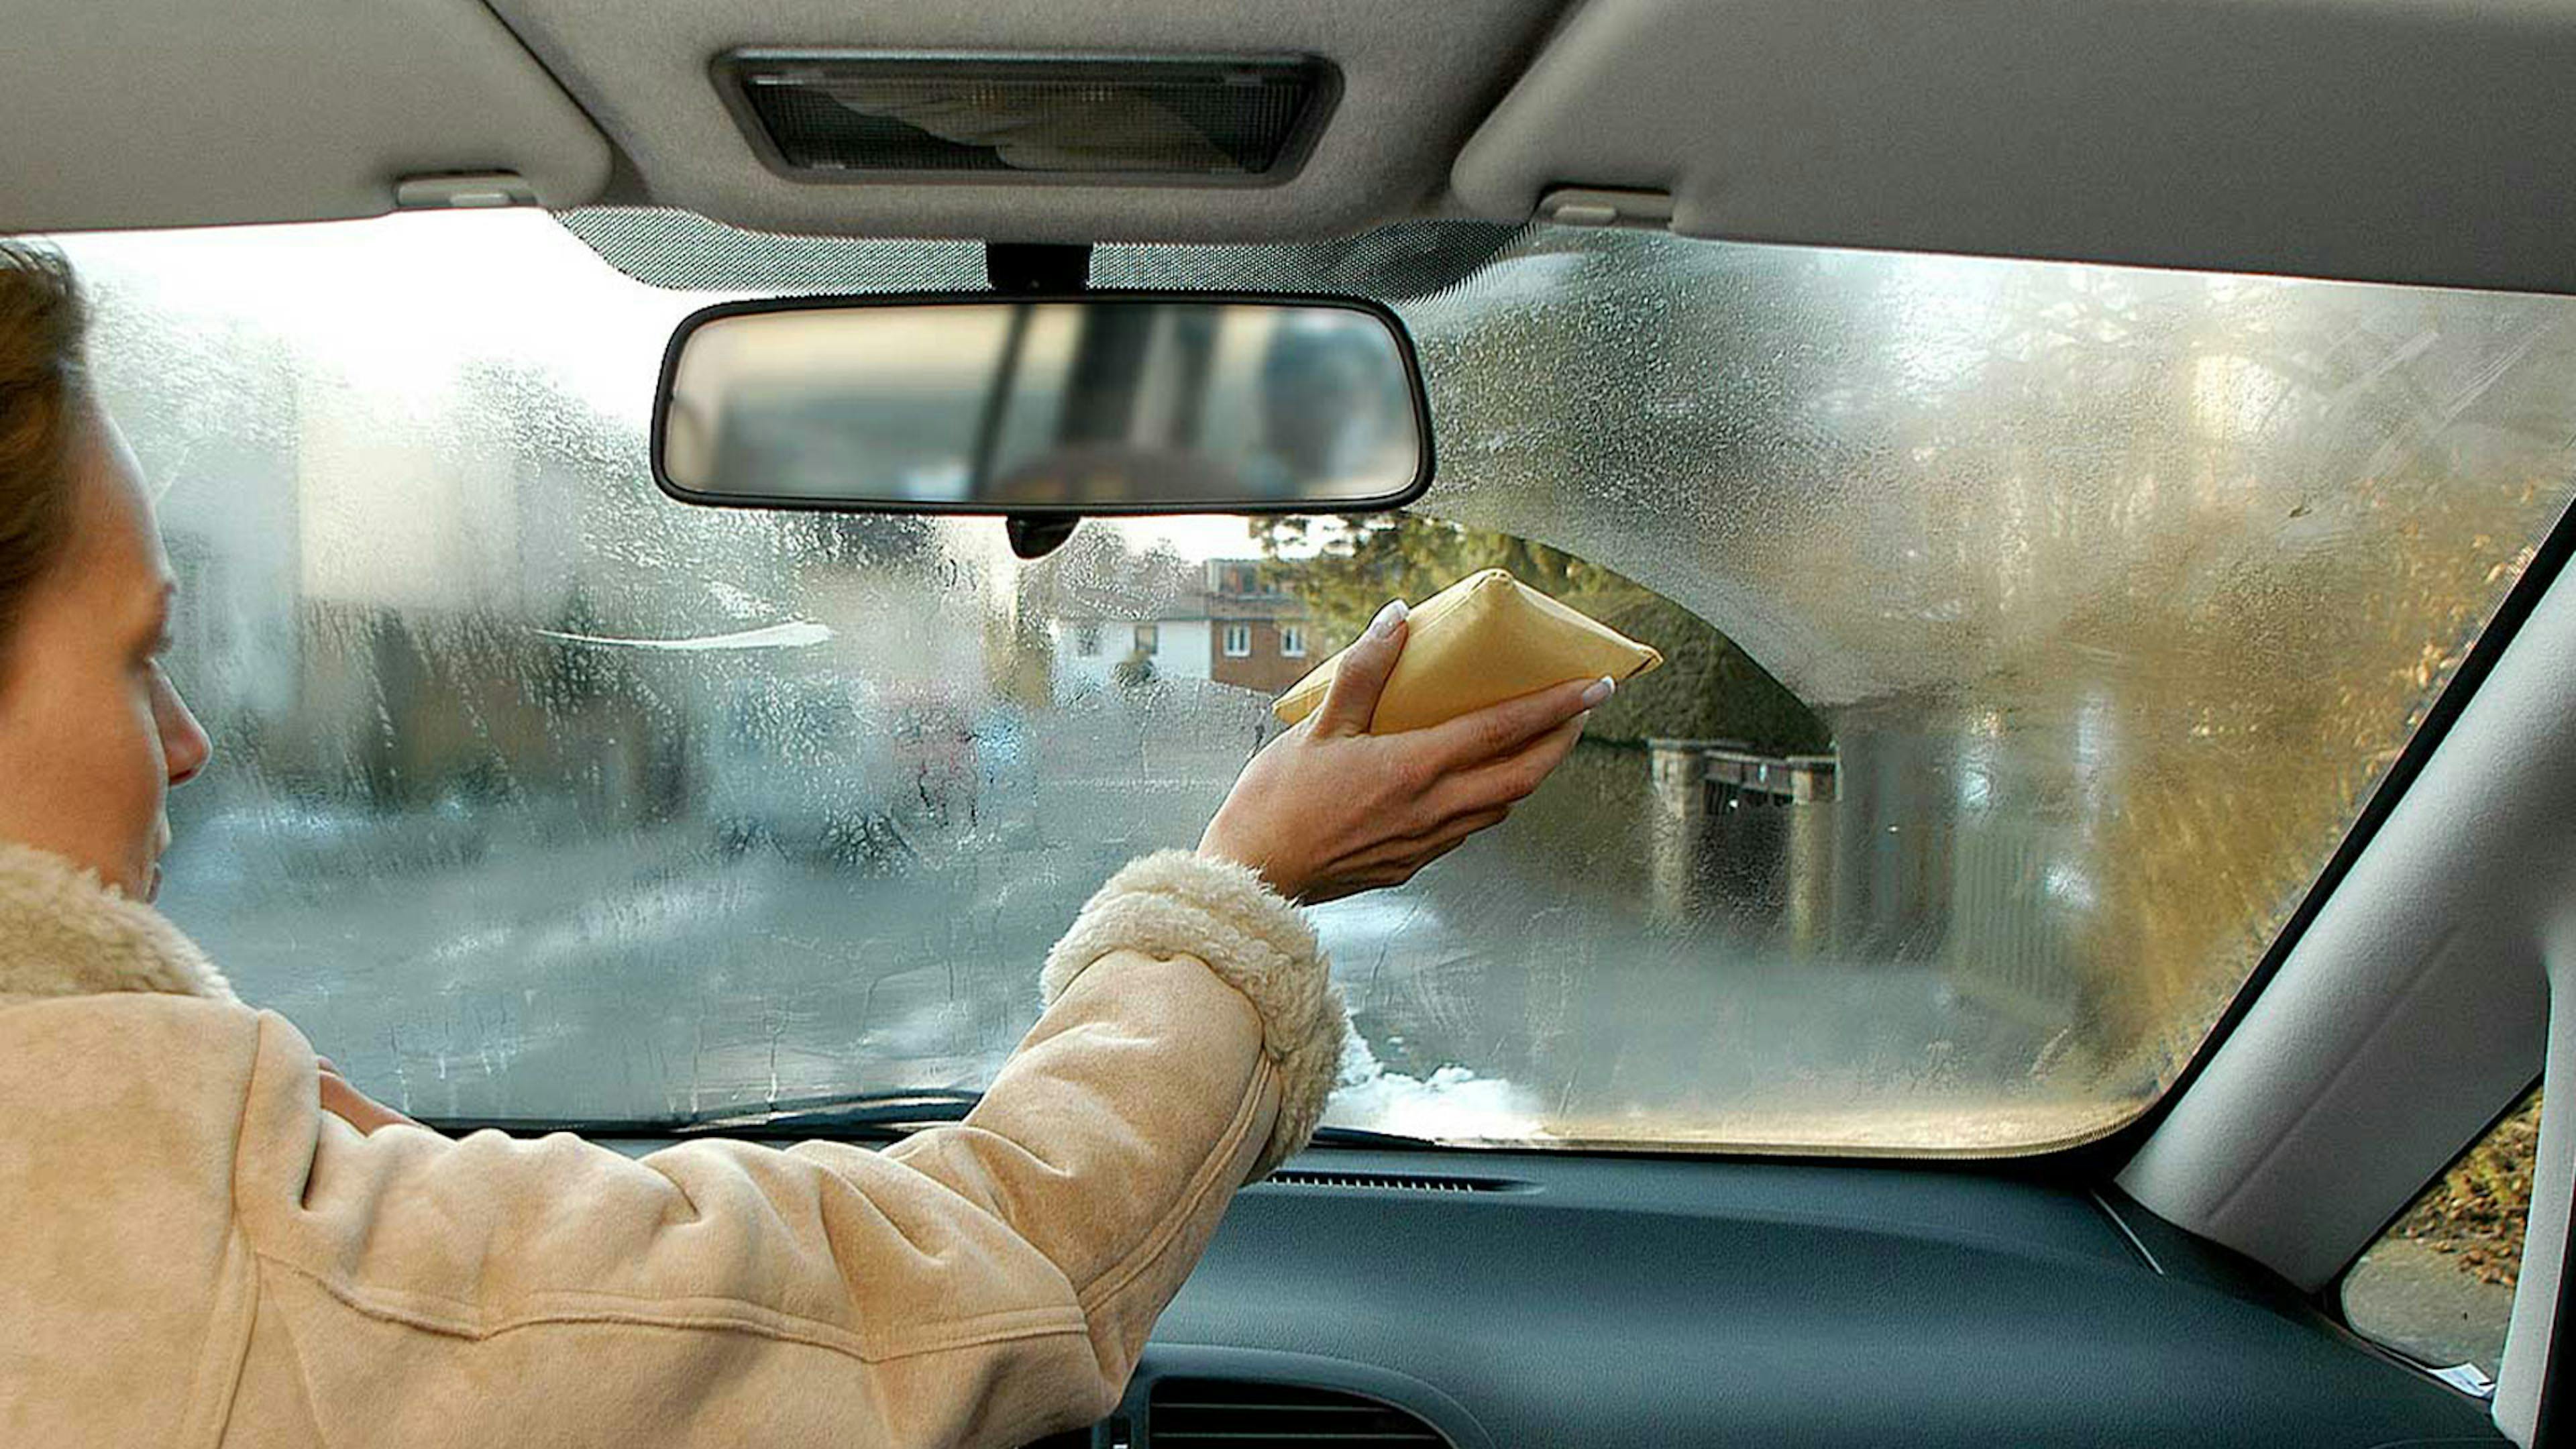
<point>193,1253</point>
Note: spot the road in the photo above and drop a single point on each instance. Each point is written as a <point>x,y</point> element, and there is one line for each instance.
<point>1533,984</point>
<point>2405,1294</point>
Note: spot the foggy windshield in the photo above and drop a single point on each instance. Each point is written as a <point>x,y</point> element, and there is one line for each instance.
<point>2035,633</point>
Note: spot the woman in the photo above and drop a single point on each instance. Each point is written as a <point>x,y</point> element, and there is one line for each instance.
<point>210,1239</point>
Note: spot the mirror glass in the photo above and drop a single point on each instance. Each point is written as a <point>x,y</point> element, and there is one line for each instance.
<point>1075,406</point>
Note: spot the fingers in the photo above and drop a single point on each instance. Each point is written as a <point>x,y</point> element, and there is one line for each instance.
<point>1351,701</point>
<point>356,1108</point>
<point>1452,833</point>
<point>1443,848</point>
<point>1474,738</point>
<point>1397,861</point>
<point>1504,781</point>
<point>1417,847</point>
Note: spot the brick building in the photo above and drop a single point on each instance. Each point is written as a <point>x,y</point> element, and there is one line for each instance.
<point>1223,625</point>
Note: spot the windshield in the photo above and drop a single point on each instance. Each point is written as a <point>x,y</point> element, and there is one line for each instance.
<point>2035,633</point>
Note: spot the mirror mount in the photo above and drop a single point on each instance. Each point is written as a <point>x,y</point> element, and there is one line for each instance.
<point>1035,535</point>
<point>1037,266</point>
<point>1033,267</point>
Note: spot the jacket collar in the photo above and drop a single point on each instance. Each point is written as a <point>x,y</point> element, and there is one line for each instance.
<point>62,933</point>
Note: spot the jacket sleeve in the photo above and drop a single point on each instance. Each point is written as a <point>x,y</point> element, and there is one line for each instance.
<point>982,1283</point>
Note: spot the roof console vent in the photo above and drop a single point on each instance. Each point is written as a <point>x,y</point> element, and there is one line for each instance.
<point>904,116</point>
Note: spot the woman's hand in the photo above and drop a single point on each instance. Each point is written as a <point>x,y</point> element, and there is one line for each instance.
<point>1329,810</point>
<point>353,1106</point>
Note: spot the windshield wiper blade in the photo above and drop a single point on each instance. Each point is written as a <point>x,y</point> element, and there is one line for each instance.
<point>896,1114</point>
<point>862,1114</point>
<point>1370,1137</point>
<point>865,1114</point>
<point>889,1113</point>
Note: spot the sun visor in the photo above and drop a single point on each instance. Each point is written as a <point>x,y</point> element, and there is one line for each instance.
<point>120,113</point>
<point>2391,140</point>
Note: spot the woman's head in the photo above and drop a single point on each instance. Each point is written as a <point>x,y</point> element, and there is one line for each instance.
<point>91,733</point>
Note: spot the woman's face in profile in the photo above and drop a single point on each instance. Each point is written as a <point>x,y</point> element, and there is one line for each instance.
<point>92,734</point>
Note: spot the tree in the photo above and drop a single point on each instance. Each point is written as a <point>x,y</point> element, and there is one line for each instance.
<point>1708,688</point>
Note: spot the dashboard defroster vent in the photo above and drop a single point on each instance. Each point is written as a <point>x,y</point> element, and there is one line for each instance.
<point>1224,1414</point>
<point>1396,1182</point>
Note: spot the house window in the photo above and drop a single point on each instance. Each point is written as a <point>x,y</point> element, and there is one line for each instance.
<point>1149,638</point>
<point>1086,641</point>
<point>1292,641</point>
<point>1238,641</point>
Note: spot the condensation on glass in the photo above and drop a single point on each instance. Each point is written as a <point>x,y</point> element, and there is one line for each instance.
<point>540,796</point>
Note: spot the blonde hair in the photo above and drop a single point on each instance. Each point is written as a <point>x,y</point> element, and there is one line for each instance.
<point>42,324</point>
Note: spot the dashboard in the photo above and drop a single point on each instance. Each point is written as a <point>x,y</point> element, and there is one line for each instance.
<point>1537,1299</point>
<point>1484,1300</point>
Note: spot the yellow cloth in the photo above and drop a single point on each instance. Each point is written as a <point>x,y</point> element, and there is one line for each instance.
<point>1480,641</point>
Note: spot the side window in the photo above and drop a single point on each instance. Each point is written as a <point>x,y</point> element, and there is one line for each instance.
<point>1149,638</point>
<point>2438,1285</point>
<point>1292,642</point>
<point>1238,641</point>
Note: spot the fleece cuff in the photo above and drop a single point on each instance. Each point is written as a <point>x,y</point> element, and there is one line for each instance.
<point>1174,903</point>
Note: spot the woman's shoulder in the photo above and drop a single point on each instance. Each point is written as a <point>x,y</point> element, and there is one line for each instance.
<point>117,1052</point>
<point>117,1169</point>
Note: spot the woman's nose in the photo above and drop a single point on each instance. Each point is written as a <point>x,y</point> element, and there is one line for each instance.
<point>184,743</point>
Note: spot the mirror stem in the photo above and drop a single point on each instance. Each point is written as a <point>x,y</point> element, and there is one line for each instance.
<point>1037,266</point>
<point>1030,267</point>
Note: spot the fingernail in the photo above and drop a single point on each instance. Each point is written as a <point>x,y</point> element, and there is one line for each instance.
<point>1387,618</point>
<point>1598,690</point>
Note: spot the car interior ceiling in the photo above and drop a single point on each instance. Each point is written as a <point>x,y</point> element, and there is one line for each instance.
<point>2168,1283</point>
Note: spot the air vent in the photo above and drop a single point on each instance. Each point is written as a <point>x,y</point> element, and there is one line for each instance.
<point>851,116</point>
<point>1222,1414</point>
<point>1395,1182</point>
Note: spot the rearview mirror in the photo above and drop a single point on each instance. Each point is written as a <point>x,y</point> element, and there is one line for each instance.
<point>1097,403</point>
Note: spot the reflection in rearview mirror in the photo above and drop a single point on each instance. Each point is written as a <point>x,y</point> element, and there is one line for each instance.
<point>1107,404</point>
